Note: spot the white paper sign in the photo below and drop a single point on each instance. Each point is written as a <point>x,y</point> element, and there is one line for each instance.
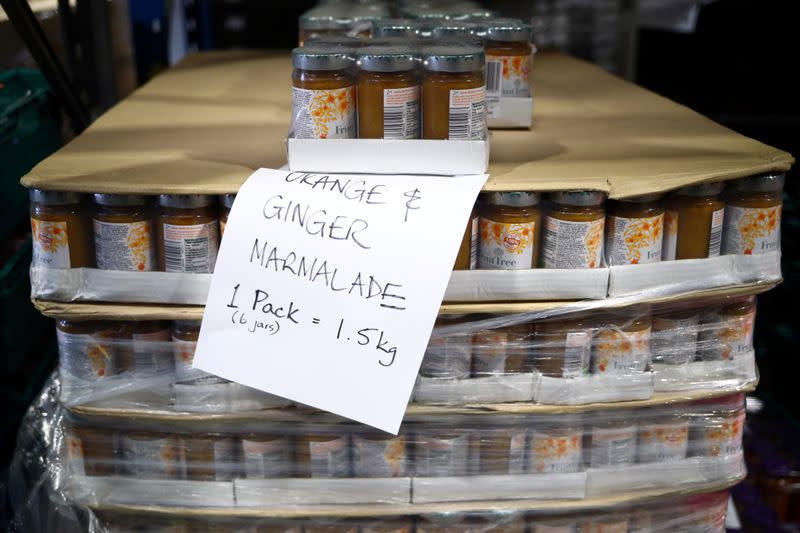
<point>326,287</point>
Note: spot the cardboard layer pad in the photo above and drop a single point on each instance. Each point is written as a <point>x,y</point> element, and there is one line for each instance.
<point>207,124</point>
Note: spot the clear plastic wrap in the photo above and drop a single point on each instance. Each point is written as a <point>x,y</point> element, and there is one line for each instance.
<point>557,358</point>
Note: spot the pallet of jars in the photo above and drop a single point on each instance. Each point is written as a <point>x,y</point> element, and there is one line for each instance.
<point>258,462</point>
<point>701,513</point>
<point>578,357</point>
<point>516,245</point>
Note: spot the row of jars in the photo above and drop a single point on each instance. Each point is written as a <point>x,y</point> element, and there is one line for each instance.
<point>579,229</point>
<point>704,513</point>
<point>562,444</point>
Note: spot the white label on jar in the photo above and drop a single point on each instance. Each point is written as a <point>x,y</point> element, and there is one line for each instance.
<point>401,113</point>
<point>613,446</point>
<point>84,356</point>
<point>124,246</point>
<point>506,246</point>
<point>50,244</point>
<point>507,76</point>
<point>224,458</point>
<point>621,352</point>
<point>577,353</point>
<point>379,458</point>
<point>556,452</point>
<point>715,237</point>
<point>669,248</point>
<point>467,114</point>
<point>634,241</point>
<point>75,463</point>
<point>736,335</point>
<point>662,442</point>
<point>151,361</point>
<point>442,456</point>
<point>151,458</point>
<point>572,244</point>
<point>489,353</point>
<point>324,113</point>
<point>266,459</point>
<point>191,248</point>
<point>329,458</point>
<point>474,243</point>
<point>184,354</point>
<point>447,357</point>
<point>751,231</point>
<point>674,340</point>
<point>718,436</point>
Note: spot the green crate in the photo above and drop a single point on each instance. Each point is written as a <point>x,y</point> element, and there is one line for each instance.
<point>29,132</point>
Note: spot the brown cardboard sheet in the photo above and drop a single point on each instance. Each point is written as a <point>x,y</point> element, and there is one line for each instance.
<point>205,125</point>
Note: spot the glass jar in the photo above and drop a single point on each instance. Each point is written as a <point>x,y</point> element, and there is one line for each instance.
<point>149,353</point>
<point>467,258</point>
<point>184,336</point>
<point>454,85</point>
<point>209,457</point>
<point>693,223</point>
<point>562,348</point>
<point>320,25</point>
<point>510,225</point>
<point>501,451</point>
<point>727,331</point>
<point>448,356</point>
<point>621,344</point>
<point>379,455</point>
<point>557,446</point>
<point>226,203</point>
<point>62,236</point>
<point>266,456</point>
<point>124,237</point>
<point>324,98</point>
<point>84,351</point>
<point>573,230</point>
<point>663,435</point>
<point>634,230</point>
<point>441,452</point>
<point>717,432</point>
<point>508,58</point>
<point>675,336</point>
<point>322,456</point>
<point>503,350</point>
<point>613,440</point>
<point>151,455</point>
<point>388,93</point>
<point>188,233</point>
<point>753,215</point>
<point>90,451</point>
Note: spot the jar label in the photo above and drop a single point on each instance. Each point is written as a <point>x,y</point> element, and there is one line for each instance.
<point>662,442</point>
<point>474,243</point>
<point>506,77</point>
<point>379,458</point>
<point>124,246</point>
<point>489,353</point>
<point>84,356</point>
<point>191,248</point>
<point>718,436</point>
<point>467,114</point>
<point>557,452</point>
<point>75,463</point>
<point>621,352</point>
<point>266,459</point>
<point>149,360</point>
<point>674,340</point>
<point>613,446</point>
<point>329,458</point>
<point>751,231</point>
<point>670,246</point>
<point>50,244</point>
<point>151,458</point>
<point>447,357</point>
<point>572,244</point>
<point>324,113</point>
<point>634,241</point>
<point>401,113</point>
<point>715,237</point>
<point>577,353</point>
<point>505,246</point>
<point>442,456</point>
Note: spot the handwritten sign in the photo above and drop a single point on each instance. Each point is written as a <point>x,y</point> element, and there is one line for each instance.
<point>326,287</point>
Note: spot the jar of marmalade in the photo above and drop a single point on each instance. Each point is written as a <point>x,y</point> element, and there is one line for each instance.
<point>388,93</point>
<point>634,230</point>
<point>322,456</point>
<point>573,230</point>
<point>501,451</point>
<point>753,215</point>
<point>622,344</point>
<point>503,350</point>
<point>693,223</point>
<point>226,203</point>
<point>124,237</point>
<point>454,85</point>
<point>150,351</point>
<point>508,59</point>
<point>84,352</point>
<point>510,225</point>
<point>323,94</point>
<point>62,237</point>
<point>675,336</point>
<point>467,258</point>
<point>727,331</point>
<point>188,233</point>
<point>562,348</point>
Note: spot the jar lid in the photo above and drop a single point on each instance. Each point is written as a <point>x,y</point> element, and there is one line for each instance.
<point>642,198</point>
<point>119,200</point>
<point>386,59</point>
<point>771,182</point>
<point>454,58</point>
<point>702,189</point>
<point>514,199</point>
<point>455,29</point>
<point>185,201</point>
<point>227,200</point>
<point>322,22</point>
<point>320,58</point>
<point>54,197</point>
<point>394,28</point>
<point>578,198</point>
<point>334,41</point>
<point>508,30</point>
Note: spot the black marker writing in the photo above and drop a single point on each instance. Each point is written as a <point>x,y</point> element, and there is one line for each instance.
<point>413,197</point>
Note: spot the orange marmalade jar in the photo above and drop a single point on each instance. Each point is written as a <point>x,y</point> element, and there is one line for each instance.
<point>454,85</point>
<point>634,230</point>
<point>573,230</point>
<point>467,258</point>
<point>188,232</point>
<point>693,223</point>
<point>753,215</point>
<point>62,236</point>
<point>124,236</point>
<point>508,58</point>
<point>388,93</point>
<point>323,94</point>
<point>510,225</point>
